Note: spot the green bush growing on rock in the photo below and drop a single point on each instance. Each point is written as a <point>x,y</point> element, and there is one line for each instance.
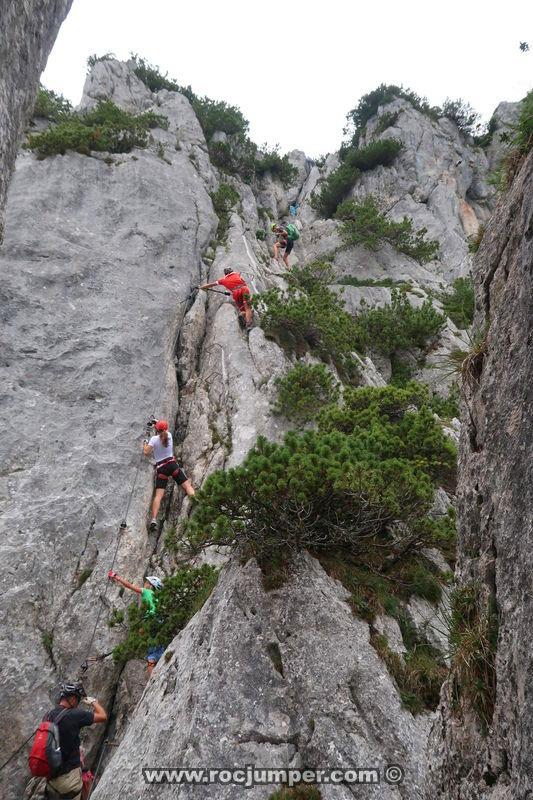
<point>446,407</point>
<point>224,200</point>
<point>182,595</point>
<point>152,76</point>
<point>105,128</point>
<point>399,326</point>
<point>462,114</point>
<point>369,104</point>
<point>379,153</point>
<point>304,391</point>
<point>334,189</point>
<point>361,487</point>
<point>217,115</point>
<point>459,302</point>
<point>310,317</point>
<point>270,161</point>
<point>238,155</point>
<point>49,105</point>
<point>413,435</point>
<point>355,160</point>
<point>364,224</point>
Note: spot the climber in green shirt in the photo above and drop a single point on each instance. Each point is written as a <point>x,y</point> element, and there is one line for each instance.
<point>286,235</point>
<point>152,584</point>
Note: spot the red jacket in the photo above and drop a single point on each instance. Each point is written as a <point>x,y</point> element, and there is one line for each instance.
<point>232,282</point>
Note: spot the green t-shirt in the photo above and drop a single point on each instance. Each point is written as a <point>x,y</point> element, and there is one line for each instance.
<point>149,601</point>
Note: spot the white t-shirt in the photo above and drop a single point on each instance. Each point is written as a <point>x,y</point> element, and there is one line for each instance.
<point>161,452</point>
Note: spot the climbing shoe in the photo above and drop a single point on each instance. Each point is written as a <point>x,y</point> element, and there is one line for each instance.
<point>153,525</point>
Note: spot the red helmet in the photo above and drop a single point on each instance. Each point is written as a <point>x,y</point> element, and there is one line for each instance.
<point>161,425</point>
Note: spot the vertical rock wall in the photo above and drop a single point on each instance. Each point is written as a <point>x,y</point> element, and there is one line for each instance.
<point>27,32</point>
<point>495,513</point>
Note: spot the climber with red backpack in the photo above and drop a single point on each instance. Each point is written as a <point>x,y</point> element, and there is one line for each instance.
<point>55,754</point>
<point>240,294</point>
<point>286,235</point>
<point>160,447</point>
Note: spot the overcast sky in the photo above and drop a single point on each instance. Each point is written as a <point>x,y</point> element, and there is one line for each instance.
<point>295,68</point>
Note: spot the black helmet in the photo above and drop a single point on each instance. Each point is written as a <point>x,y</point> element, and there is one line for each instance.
<point>228,271</point>
<point>75,689</point>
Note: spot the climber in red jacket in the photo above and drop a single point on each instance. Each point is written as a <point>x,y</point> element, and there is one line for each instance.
<point>240,293</point>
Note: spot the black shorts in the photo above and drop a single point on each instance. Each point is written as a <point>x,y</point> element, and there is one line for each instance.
<point>169,470</point>
<point>288,247</point>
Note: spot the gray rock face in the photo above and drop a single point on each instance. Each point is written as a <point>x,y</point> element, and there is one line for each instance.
<point>506,115</point>
<point>99,334</point>
<point>438,180</point>
<point>27,34</point>
<point>496,524</point>
<point>114,80</point>
<point>96,263</point>
<point>292,682</point>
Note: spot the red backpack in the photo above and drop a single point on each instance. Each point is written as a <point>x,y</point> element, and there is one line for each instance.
<point>45,757</point>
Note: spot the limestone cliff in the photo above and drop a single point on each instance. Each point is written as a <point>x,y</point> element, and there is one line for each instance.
<point>101,332</point>
<point>27,33</point>
<point>491,757</point>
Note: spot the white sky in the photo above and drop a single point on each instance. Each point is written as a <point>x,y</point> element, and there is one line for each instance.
<point>295,68</point>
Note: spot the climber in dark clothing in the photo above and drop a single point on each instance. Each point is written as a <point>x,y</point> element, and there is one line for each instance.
<point>240,293</point>
<point>68,783</point>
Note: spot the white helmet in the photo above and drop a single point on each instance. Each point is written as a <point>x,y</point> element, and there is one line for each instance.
<point>154,580</point>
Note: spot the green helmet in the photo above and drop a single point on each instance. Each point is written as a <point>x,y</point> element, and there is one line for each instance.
<point>274,226</point>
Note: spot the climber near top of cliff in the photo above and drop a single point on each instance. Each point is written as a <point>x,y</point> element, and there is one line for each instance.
<point>240,294</point>
<point>147,591</point>
<point>67,781</point>
<point>160,447</point>
<point>286,235</point>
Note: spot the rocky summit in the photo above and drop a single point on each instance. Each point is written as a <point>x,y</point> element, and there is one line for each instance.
<point>308,591</point>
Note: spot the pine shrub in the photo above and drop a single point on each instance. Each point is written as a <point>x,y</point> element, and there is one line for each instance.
<point>303,391</point>
<point>270,161</point>
<point>355,160</point>
<point>379,153</point>
<point>335,187</point>
<point>310,317</point>
<point>105,128</point>
<point>182,595</point>
<point>459,303</point>
<point>152,76</point>
<point>362,483</point>
<point>363,224</point>
<point>462,114</point>
<point>51,106</point>
<point>369,104</point>
<point>399,326</point>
